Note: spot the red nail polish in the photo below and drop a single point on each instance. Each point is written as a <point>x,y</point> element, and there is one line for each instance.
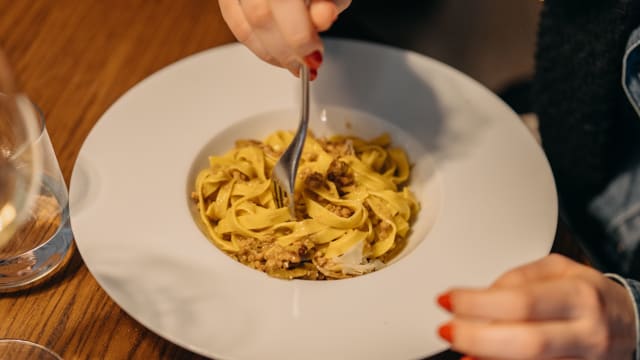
<point>444,300</point>
<point>467,357</point>
<point>313,74</point>
<point>446,332</point>
<point>314,60</point>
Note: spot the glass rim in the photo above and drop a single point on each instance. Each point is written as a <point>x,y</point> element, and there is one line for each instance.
<point>40,128</point>
<point>39,114</point>
<point>35,133</point>
<point>32,147</point>
<point>31,344</point>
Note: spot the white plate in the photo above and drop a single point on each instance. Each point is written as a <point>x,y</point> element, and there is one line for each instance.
<point>488,199</point>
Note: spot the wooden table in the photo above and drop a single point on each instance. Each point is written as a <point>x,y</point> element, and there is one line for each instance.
<point>74,59</point>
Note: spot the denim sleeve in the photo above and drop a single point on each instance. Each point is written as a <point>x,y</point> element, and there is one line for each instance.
<point>631,70</point>
<point>633,287</point>
<point>618,207</point>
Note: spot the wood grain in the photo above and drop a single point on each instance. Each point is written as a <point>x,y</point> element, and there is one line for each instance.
<point>74,59</point>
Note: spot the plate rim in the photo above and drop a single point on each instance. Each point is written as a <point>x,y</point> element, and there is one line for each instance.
<point>168,68</point>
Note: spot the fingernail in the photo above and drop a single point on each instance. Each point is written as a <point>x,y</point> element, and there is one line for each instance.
<point>446,332</point>
<point>444,301</point>
<point>467,357</point>
<point>314,60</point>
<point>294,68</point>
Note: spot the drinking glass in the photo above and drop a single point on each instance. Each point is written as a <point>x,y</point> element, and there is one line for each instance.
<point>16,349</point>
<point>35,236</point>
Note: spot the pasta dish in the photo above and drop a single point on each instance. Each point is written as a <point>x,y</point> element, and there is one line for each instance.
<point>353,208</point>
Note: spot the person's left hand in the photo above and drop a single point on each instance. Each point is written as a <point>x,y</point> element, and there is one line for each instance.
<point>553,308</point>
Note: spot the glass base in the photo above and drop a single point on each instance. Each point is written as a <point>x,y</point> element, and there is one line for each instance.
<point>28,269</point>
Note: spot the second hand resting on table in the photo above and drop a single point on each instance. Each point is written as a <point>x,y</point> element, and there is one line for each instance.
<point>553,308</point>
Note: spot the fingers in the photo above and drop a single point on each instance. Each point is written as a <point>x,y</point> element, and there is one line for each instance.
<point>294,23</point>
<point>551,308</point>
<point>548,267</point>
<point>282,32</point>
<point>262,16</point>
<point>550,300</point>
<point>539,340</point>
<point>242,30</point>
<point>516,340</point>
<point>323,13</point>
<point>342,5</point>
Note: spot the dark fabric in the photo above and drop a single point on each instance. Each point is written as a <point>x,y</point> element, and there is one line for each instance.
<point>381,21</point>
<point>587,125</point>
<point>588,128</point>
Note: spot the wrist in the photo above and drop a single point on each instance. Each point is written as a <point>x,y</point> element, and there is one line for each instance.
<point>631,299</point>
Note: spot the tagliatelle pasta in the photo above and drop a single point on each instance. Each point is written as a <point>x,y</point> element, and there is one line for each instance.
<point>353,208</point>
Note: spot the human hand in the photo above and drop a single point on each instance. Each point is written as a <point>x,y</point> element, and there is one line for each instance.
<point>283,32</point>
<point>553,308</point>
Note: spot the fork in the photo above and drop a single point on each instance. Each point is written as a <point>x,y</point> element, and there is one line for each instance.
<point>283,176</point>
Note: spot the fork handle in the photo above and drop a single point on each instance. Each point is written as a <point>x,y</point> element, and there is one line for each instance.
<point>304,123</point>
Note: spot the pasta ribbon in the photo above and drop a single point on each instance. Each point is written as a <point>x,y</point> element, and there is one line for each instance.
<point>353,206</point>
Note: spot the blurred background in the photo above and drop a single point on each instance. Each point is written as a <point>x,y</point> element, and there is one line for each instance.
<point>493,41</point>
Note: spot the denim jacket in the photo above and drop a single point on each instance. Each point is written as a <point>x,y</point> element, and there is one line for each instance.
<point>618,207</point>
